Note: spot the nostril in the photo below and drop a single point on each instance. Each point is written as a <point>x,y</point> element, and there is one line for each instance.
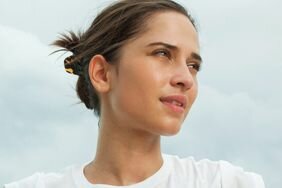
<point>182,79</point>
<point>185,84</point>
<point>180,84</point>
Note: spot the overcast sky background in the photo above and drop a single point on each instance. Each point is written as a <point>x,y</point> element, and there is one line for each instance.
<point>237,116</point>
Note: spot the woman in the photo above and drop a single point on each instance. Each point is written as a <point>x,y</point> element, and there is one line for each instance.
<point>137,66</point>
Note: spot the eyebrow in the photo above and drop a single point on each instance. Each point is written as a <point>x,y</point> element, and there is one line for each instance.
<point>193,55</point>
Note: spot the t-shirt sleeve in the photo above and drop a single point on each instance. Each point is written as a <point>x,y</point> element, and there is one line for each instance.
<point>236,177</point>
<point>33,181</point>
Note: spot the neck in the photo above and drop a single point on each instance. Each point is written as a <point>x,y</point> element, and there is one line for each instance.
<point>124,157</point>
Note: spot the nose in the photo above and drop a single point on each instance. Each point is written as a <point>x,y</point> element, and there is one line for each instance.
<point>182,78</point>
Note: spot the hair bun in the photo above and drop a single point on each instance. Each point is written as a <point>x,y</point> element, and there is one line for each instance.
<point>73,66</point>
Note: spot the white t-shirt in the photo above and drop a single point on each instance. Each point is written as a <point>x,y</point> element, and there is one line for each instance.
<point>174,173</point>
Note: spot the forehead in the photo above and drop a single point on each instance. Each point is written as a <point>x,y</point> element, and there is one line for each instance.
<point>172,28</point>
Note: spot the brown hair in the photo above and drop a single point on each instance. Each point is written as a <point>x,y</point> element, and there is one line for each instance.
<point>111,29</point>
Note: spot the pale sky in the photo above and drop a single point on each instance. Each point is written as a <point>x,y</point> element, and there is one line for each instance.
<point>237,116</point>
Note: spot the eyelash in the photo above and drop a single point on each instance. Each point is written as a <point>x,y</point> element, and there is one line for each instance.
<point>195,66</point>
<point>166,53</point>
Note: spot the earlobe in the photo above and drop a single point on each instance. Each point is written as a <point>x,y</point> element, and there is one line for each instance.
<point>99,73</point>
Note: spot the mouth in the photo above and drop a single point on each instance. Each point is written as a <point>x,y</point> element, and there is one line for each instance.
<point>176,103</point>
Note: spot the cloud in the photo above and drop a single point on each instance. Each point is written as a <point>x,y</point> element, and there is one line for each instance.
<point>237,116</point>
<point>241,49</point>
<point>40,120</point>
<point>235,128</point>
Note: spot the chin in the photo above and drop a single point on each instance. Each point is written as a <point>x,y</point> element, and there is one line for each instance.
<point>171,133</point>
<point>170,129</point>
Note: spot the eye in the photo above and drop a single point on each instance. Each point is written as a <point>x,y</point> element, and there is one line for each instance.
<point>194,66</point>
<point>163,53</point>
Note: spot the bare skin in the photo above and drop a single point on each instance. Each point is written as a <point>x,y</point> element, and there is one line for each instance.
<point>116,160</point>
<point>133,117</point>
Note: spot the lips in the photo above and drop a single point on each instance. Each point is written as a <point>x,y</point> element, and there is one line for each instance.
<point>176,103</point>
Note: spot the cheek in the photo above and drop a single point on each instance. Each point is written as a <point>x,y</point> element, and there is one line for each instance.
<point>129,91</point>
<point>142,77</point>
<point>138,87</point>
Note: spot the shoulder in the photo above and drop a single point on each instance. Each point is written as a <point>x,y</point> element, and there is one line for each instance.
<point>220,173</point>
<point>28,182</point>
<point>60,179</point>
<point>238,177</point>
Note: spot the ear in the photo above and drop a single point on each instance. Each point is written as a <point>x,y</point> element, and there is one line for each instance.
<point>99,73</point>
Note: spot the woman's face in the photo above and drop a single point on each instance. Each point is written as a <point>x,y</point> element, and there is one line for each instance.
<point>156,82</point>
